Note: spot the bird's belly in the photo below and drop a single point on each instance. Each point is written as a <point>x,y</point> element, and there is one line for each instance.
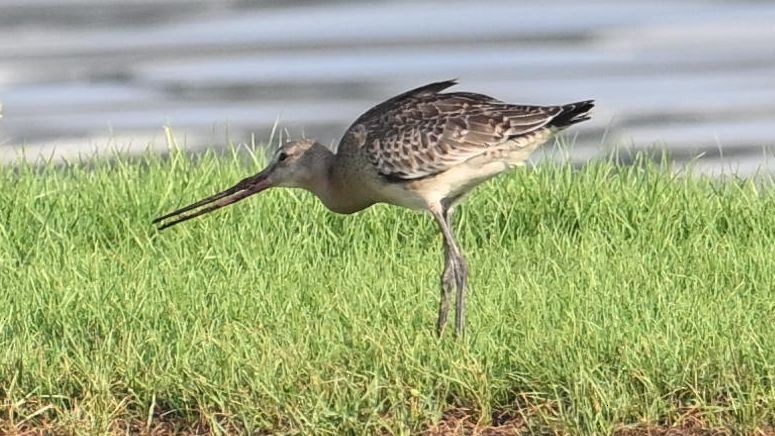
<point>459,180</point>
<point>402,194</point>
<point>454,183</point>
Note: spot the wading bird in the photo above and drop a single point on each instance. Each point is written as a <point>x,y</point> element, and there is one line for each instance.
<point>423,149</point>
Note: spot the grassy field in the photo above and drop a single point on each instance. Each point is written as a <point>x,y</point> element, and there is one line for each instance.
<point>601,299</point>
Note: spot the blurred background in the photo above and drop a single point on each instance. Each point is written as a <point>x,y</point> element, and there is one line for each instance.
<point>695,77</point>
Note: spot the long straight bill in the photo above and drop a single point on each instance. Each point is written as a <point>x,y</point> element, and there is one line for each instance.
<point>245,188</point>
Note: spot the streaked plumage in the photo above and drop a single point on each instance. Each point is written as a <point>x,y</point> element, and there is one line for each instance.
<point>423,149</point>
<point>423,132</point>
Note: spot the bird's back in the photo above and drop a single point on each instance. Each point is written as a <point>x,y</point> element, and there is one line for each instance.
<point>424,132</point>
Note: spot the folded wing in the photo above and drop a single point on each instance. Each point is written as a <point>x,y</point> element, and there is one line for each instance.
<point>424,132</point>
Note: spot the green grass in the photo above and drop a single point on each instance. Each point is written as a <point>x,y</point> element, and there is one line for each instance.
<point>599,297</point>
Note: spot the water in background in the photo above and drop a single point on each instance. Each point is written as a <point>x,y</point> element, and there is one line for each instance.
<point>697,77</point>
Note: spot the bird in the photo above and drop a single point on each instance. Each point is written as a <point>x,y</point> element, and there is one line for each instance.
<point>424,149</point>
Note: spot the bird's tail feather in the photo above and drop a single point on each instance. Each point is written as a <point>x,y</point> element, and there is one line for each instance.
<point>572,113</point>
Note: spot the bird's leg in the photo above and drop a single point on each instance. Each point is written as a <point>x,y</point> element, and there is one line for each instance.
<point>461,276</point>
<point>448,281</point>
<point>448,277</point>
<point>455,273</point>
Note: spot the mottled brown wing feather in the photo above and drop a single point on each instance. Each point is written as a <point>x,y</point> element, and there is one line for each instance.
<point>396,102</point>
<point>422,132</point>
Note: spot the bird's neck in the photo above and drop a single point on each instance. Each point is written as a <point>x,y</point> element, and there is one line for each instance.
<point>332,184</point>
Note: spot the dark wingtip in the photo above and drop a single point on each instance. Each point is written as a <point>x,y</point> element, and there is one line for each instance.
<point>430,88</point>
<point>573,113</point>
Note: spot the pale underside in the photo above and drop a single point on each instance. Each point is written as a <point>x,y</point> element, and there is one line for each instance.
<point>450,186</point>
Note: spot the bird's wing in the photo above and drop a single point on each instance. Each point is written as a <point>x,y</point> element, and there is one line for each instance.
<point>405,98</point>
<point>422,132</point>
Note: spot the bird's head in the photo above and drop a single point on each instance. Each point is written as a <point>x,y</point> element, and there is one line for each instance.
<point>295,164</point>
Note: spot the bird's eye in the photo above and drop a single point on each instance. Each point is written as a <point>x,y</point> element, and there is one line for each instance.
<point>282,156</point>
